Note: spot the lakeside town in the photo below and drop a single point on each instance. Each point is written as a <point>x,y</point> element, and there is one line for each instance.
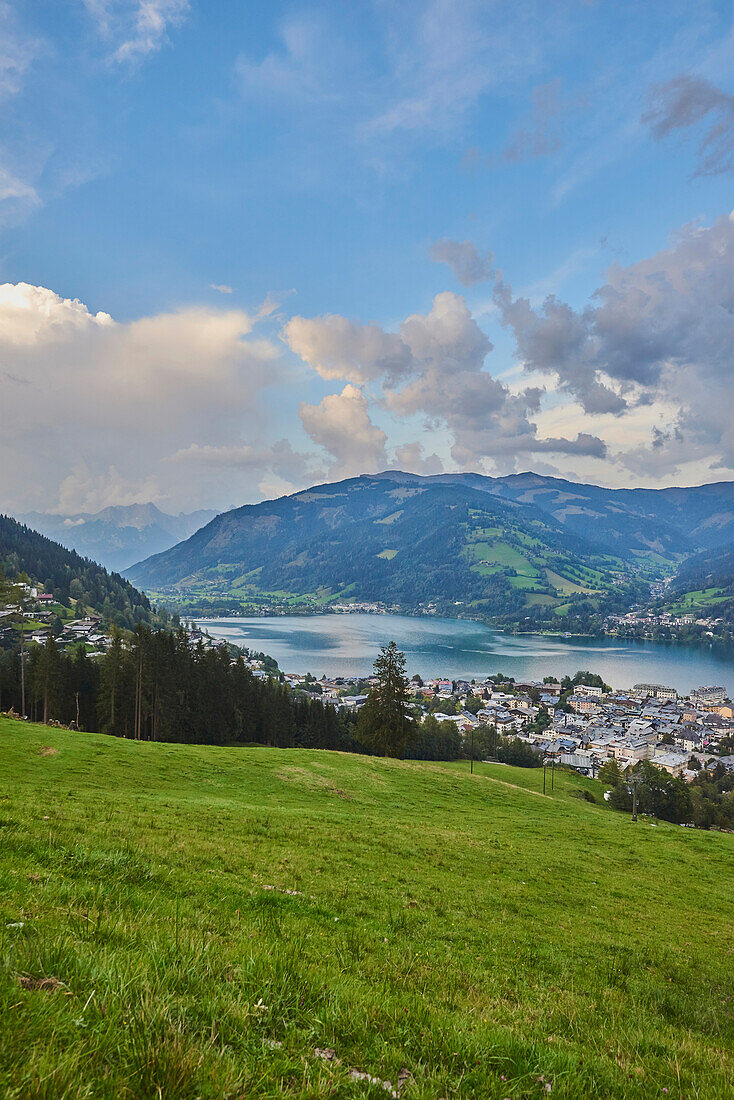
<point>581,728</point>
<point>579,724</point>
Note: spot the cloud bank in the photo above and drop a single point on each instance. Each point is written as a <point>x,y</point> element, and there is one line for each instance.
<point>433,370</point>
<point>77,387</point>
<point>180,407</point>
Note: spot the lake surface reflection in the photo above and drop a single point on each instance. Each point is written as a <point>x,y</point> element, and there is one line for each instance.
<point>346,645</point>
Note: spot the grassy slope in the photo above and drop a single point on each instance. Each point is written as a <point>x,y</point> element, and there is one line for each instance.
<point>468,928</point>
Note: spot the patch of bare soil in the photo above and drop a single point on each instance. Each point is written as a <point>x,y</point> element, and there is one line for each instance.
<point>49,985</point>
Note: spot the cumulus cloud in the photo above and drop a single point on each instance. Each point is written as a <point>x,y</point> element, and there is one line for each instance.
<point>687,101</point>
<point>33,315</point>
<point>341,424</point>
<point>137,28</point>
<point>442,378</point>
<point>556,339</point>
<point>657,331</point>
<point>411,457</point>
<point>279,458</point>
<point>76,386</point>
<point>221,287</point>
<point>84,491</point>
<point>339,348</point>
<point>463,258</point>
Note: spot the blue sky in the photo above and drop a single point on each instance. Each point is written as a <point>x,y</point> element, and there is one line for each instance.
<point>245,247</point>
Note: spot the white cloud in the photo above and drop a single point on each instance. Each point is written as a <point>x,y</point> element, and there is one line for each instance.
<point>83,491</point>
<point>278,458</point>
<point>442,57</point>
<point>434,368</point>
<point>17,52</point>
<point>77,386</point>
<point>339,348</point>
<point>17,196</point>
<point>415,78</point>
<point>33,315</point>
<point>221,287</point>
<point>302,69</point>
<point>341,424</point>
<point>136,28</point>
<point>411,457</point>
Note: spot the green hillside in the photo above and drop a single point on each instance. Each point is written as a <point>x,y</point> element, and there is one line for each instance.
<point>75,582</point>
<point>704,586</point>
<point>186,922</point>
<point>373,539</point>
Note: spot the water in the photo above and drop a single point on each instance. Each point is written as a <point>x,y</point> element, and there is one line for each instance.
<point>346,645</point>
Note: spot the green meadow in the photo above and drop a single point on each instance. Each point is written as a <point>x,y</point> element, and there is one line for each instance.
<point>186,922</point>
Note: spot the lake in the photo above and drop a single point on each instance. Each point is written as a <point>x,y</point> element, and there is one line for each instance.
<point>346,645</point>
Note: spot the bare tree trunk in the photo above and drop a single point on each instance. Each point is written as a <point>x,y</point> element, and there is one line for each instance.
<point>22,664</point>
<point>139,699</point>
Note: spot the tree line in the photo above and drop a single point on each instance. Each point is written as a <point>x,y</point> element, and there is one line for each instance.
<point>707,801</point>
<point>156,685</point>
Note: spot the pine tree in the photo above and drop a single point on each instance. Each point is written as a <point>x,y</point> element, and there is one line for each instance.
<point>383,724</point>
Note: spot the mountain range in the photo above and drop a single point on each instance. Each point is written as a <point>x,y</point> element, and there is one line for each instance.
<point>519,548</point>
<point>120,535</point>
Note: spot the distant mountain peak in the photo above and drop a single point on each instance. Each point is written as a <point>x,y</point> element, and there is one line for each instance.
<point>120,534</point>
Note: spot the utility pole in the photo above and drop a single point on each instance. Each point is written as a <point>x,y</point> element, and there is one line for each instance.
<point>553,773</point>
<point>471,762</point>
<point>543,778</point>
<point>634,797</point>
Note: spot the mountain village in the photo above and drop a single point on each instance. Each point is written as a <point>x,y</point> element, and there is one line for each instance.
<point>582,730</point>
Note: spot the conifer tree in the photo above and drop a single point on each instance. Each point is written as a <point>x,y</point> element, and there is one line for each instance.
<point>384,725</point>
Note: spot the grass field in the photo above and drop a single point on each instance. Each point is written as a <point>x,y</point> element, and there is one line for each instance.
<point>196,922</point>
<point>698,599</point>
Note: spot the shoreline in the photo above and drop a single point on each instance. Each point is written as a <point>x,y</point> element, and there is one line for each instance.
<point>695,644</point>
<point>447,652</point>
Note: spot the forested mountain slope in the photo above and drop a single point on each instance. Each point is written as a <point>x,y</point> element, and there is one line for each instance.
<point>399,540</point>
<point>704,585</point>
<point>638,522</point>
<point>68,576</point>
